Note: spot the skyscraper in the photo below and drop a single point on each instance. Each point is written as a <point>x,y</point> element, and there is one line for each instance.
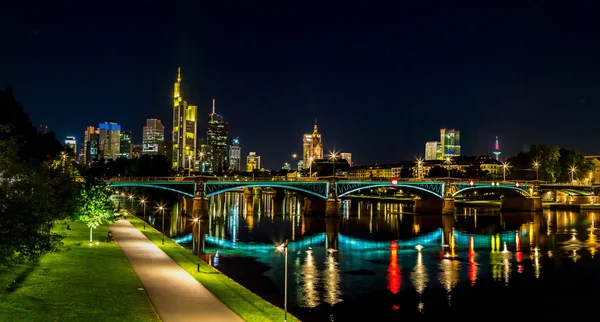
<point>235,155</point>
<point>252,162</point>
<point>497,149</point>
<point>450,141</point>
<point>184,129</point>
<point>433,150</point>
<point>125,145</point>
<point>91,145</point>
<point>312,147</point>
<point>153,137</point>
<point>216,140</point>
<point>346,156</point>
<point>71,143</point>
<point>110,140</point>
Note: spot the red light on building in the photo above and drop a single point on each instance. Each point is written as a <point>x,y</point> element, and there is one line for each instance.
<point>471,183</point>
<point>394,181</point>
<point>518,184</point>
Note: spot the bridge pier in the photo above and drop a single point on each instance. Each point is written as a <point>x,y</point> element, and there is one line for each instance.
<point>333,203</point>
<point>521,204</point>
<point>200,201</point>
<point>443,206</point>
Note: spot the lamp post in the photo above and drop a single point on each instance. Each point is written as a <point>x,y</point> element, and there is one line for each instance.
<point>143,201</point>
<point>131,199</point>
<point>201,163</point>
<point>190,164</point>
<point>536,165</point>
<point>333,156</point>
<point>504,166</point>
<point>572,170</point>
<point>448,161</point>
<point>284,249</point>
<point>198,222</point>
<point>419,168</point>
<point>162,209</point>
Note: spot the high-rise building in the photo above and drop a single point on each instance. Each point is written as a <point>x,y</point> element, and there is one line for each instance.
<point>312,146</point>
<point>184,129</point>
<point>153,137</point>
<point>91,145</point>
<point>497,149</point>
<point>71,143</point>
<point>433,150</point>
<point>346,156</point>
<point>252,162</point>
<point>450,143</point>
<point>125,145</point>
<point>235,155</point>
<point>136,151</point>
<point>110,140</point>
<point>216,140</point>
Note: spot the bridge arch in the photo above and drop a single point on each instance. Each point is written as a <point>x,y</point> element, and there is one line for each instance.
<point>519,190</point>
<point>148,185</point>
<point>315,189</point>
<point>420,190</point>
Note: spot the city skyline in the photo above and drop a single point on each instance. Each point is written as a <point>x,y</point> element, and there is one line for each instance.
<point>449,68</point>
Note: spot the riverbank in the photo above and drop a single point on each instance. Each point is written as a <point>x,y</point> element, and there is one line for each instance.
<point>242,301</point>
<point>77,282</point>
<point>565,206</point>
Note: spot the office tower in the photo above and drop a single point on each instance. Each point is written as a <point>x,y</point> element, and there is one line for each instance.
<point>71,143</point>
<point>433,150</point>
<point>216,140</point>
<point>252,162</point>
<point>91,143</point>
<point>110,140</point>
<point>235,155</point>
<point>450,141</point>
<point>184,129</point>
<point>497,149</point>
<point>125,145</point>
<point>346,156</point>
<point>312,146</point>
<point>153,137</point>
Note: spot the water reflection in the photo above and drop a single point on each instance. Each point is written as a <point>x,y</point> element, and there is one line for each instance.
<point>337,264</point>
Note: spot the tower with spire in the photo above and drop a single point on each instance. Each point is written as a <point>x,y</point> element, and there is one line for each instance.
<point>312,146</point>
<point>497,149</point>
<point>184,129</point>
<point>216,156</point>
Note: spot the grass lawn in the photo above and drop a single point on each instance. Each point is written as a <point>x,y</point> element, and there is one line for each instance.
<point>242,301</point>
<point>78,282</point>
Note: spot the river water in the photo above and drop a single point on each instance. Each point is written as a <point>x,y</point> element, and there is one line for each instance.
<point>381,262</point>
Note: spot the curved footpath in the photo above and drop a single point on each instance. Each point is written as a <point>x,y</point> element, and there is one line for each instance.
<point>175,294</point>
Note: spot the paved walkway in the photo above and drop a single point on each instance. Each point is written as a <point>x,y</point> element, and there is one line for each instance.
<point>175,294</point>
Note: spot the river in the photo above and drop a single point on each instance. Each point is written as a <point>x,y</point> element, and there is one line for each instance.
<point>381,262</point>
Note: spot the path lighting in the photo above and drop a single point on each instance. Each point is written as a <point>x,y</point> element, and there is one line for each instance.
<point>572,170</point>
<point>284,249</point>
<point>143,201</point>
<point>536,165</point>
<point>162,209</point>
<point>198,222</point>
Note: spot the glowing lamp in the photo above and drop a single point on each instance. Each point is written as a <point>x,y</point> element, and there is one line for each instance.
<point>471,183</point>
<point>394,181</point>
<point>518,184</point>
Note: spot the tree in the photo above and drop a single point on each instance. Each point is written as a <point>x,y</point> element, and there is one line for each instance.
<point>438,172</point>
<point>95,208</point>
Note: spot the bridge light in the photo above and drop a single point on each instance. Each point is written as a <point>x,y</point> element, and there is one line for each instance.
<point>518,184</point>
<point>471,183</point>
<point>394,181</point>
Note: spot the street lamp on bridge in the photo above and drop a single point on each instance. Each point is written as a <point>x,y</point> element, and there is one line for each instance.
<point>333,156</point>
<point>536,165</point>
<point>448,161</point>
<point>504,167</point>
<point>572,170</point>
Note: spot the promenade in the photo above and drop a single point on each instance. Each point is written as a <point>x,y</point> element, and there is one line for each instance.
<point>175,294</point>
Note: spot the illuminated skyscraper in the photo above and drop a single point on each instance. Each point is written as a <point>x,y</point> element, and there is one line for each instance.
<point>497,149</point>
<point>346,156</point>
<point>91,143</point>
<point>110,140</point>
<point>153,137</point>
<point>433,150</point>
<point>71,142</point>
<point>125,145</point>
<point>184,129</point>
<point>216,157</point>
<point>235,155</point>
<point>312,146</point>
<point>450,141</point>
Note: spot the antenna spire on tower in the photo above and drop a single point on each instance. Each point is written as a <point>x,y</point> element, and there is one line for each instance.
<point>214,99</point>
<point>179,74</point>
<point>315,130</point>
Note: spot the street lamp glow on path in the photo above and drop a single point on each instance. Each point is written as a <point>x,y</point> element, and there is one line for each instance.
<point>143,201</point>
<point>162,209</point>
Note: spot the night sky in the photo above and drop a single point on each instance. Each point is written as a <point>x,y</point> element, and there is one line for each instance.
<point>381,79</point>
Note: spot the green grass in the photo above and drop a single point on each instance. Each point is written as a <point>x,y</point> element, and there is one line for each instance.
<point>78,282</point>
<point>242,301</point>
